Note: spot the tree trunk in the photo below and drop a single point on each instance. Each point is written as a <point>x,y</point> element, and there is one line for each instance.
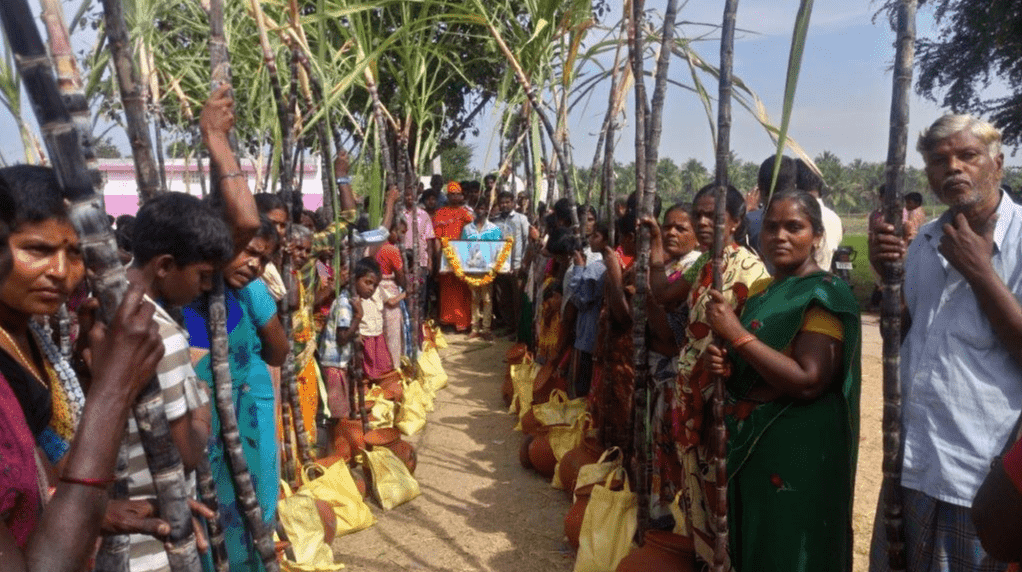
<point>248,505</point>
<point>719,439</point>
<point>893,277</point>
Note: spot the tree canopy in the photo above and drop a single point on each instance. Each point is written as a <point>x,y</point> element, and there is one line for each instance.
<point>978,42</point>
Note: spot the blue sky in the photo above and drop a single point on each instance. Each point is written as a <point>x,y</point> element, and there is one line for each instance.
<point>842,103</point>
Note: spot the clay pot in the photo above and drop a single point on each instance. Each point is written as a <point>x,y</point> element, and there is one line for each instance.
<point>587,452</point>
<point>516,354</point>
<point>390,383</point>
<point>360,480</point>
<point>523,451</point>
<point>547,380</point>
<point>530,425</point>
<point>508,389</point>
<point>390,438</point>
<point>541,455</point>
<point>328,518</point>
<point>661,550</point>
<point>573,520</point>
<point>349,430</point>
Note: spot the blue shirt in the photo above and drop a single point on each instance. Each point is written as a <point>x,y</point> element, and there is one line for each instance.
<point>490,231</point>
<point>587,294</point>
<point>962,390</point>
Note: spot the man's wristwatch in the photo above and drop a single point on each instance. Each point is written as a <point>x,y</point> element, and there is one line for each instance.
<point>344,180</point>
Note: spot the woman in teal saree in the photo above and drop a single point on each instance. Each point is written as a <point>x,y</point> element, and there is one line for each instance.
<point>793,361</point>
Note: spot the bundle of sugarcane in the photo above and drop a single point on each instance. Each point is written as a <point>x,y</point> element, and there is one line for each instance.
<point>109,283</point>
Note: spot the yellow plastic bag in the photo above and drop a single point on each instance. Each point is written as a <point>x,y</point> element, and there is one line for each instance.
<point>392,484</point>
<point>597,472</point>
<point>522,376</point>
<point>559,410</point>
<point>303,523</point>
<point>335,485</point>
<point>608,526</point>
<point>382,411</point>
<point>431,369</point>
<point>412,415</point>
<point>565,438</point>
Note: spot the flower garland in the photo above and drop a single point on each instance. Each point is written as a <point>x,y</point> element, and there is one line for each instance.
<point>487,278</point>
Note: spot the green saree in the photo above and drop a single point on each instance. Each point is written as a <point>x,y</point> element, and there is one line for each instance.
<point>791,464</point>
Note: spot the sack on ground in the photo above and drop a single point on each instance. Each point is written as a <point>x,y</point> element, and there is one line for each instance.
<point>412,413</point>
<point>335,485</point>
<point>391,483</point>
<point>431,369</point>
<point>565,438</point>
<point>597,472</point>
<point>522,376</point>
<point>608,526</point>
<point>559,410</point>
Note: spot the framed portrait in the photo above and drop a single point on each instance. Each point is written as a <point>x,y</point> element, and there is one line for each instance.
<point>476,256</point>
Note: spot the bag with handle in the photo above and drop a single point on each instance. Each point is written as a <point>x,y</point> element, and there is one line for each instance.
<point>597,472</point>
<point>559,409</point>
<point>609,524</point>
<point>412,414</point>
<point>391,483</point>
<point>564,438</point>
<point>522,376</point>
<point>335,485</point>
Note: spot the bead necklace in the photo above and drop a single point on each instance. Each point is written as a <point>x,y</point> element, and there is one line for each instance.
<point>27,363</point>
<point>68,377</point>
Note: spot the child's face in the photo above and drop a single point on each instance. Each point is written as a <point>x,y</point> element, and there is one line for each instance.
<point>597,242</point>
<point>366,285</point>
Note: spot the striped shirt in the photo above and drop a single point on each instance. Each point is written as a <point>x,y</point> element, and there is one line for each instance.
<point>182,392</point>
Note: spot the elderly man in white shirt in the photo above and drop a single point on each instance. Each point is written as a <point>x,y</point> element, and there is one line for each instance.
<point>961,360</point>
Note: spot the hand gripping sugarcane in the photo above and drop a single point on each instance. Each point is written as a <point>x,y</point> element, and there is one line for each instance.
<point>248,505</point>
<point>63,141</point>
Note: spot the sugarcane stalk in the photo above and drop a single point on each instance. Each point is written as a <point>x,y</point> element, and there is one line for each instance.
<point>606,130</point>
<point>133,100</point>
<point>287,419</point>
<point>638,456</point>
<point>355,381</point>
<point>381,126</point>
<point>893,274</point>
<point>248,504</point>
<point>206,487</point>
<point>69,82</point>
<point>414,312</point>
<point>719,439</point>
<point>64,331</point>
<point>114,554</point>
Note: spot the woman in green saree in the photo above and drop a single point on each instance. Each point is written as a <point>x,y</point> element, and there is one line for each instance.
<point>793,362</point>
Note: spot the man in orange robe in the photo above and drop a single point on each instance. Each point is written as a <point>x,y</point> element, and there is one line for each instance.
<point>455,296</point>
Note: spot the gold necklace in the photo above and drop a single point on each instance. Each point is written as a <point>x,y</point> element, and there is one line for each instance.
<point>21,357</point>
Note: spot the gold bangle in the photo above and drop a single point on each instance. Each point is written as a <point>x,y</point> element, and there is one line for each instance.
<point>742,340</point>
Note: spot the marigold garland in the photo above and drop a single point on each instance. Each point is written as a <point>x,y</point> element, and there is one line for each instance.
<point>487,278</point>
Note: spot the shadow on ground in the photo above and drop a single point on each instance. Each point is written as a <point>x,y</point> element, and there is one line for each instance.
<point>479,509</point>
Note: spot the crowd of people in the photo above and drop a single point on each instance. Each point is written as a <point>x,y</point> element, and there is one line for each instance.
<point>783,330</point>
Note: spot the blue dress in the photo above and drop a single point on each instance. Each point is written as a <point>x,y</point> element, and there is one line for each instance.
<point>248,310</point>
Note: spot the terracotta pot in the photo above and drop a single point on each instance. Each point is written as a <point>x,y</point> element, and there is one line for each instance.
<point>328,518</point>
<point>390,438</point>
<point>523,451</point>
<point>508,389</point>
<point>587,452</point>
<point>360,480</point>
<point>573,520</point>
<point>351,431</point>
<point>541,455</point>
<point>530,424</point>
<point>661,551</point>
<point>547,380</point>
<point>516,354</point>
<point>390,383</point>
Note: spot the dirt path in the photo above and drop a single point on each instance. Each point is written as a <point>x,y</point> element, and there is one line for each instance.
<point>480,511</point>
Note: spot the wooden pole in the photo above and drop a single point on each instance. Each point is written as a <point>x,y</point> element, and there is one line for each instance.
<point>719,439</point>
<point>893,274</point>
<point>248,505</point>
